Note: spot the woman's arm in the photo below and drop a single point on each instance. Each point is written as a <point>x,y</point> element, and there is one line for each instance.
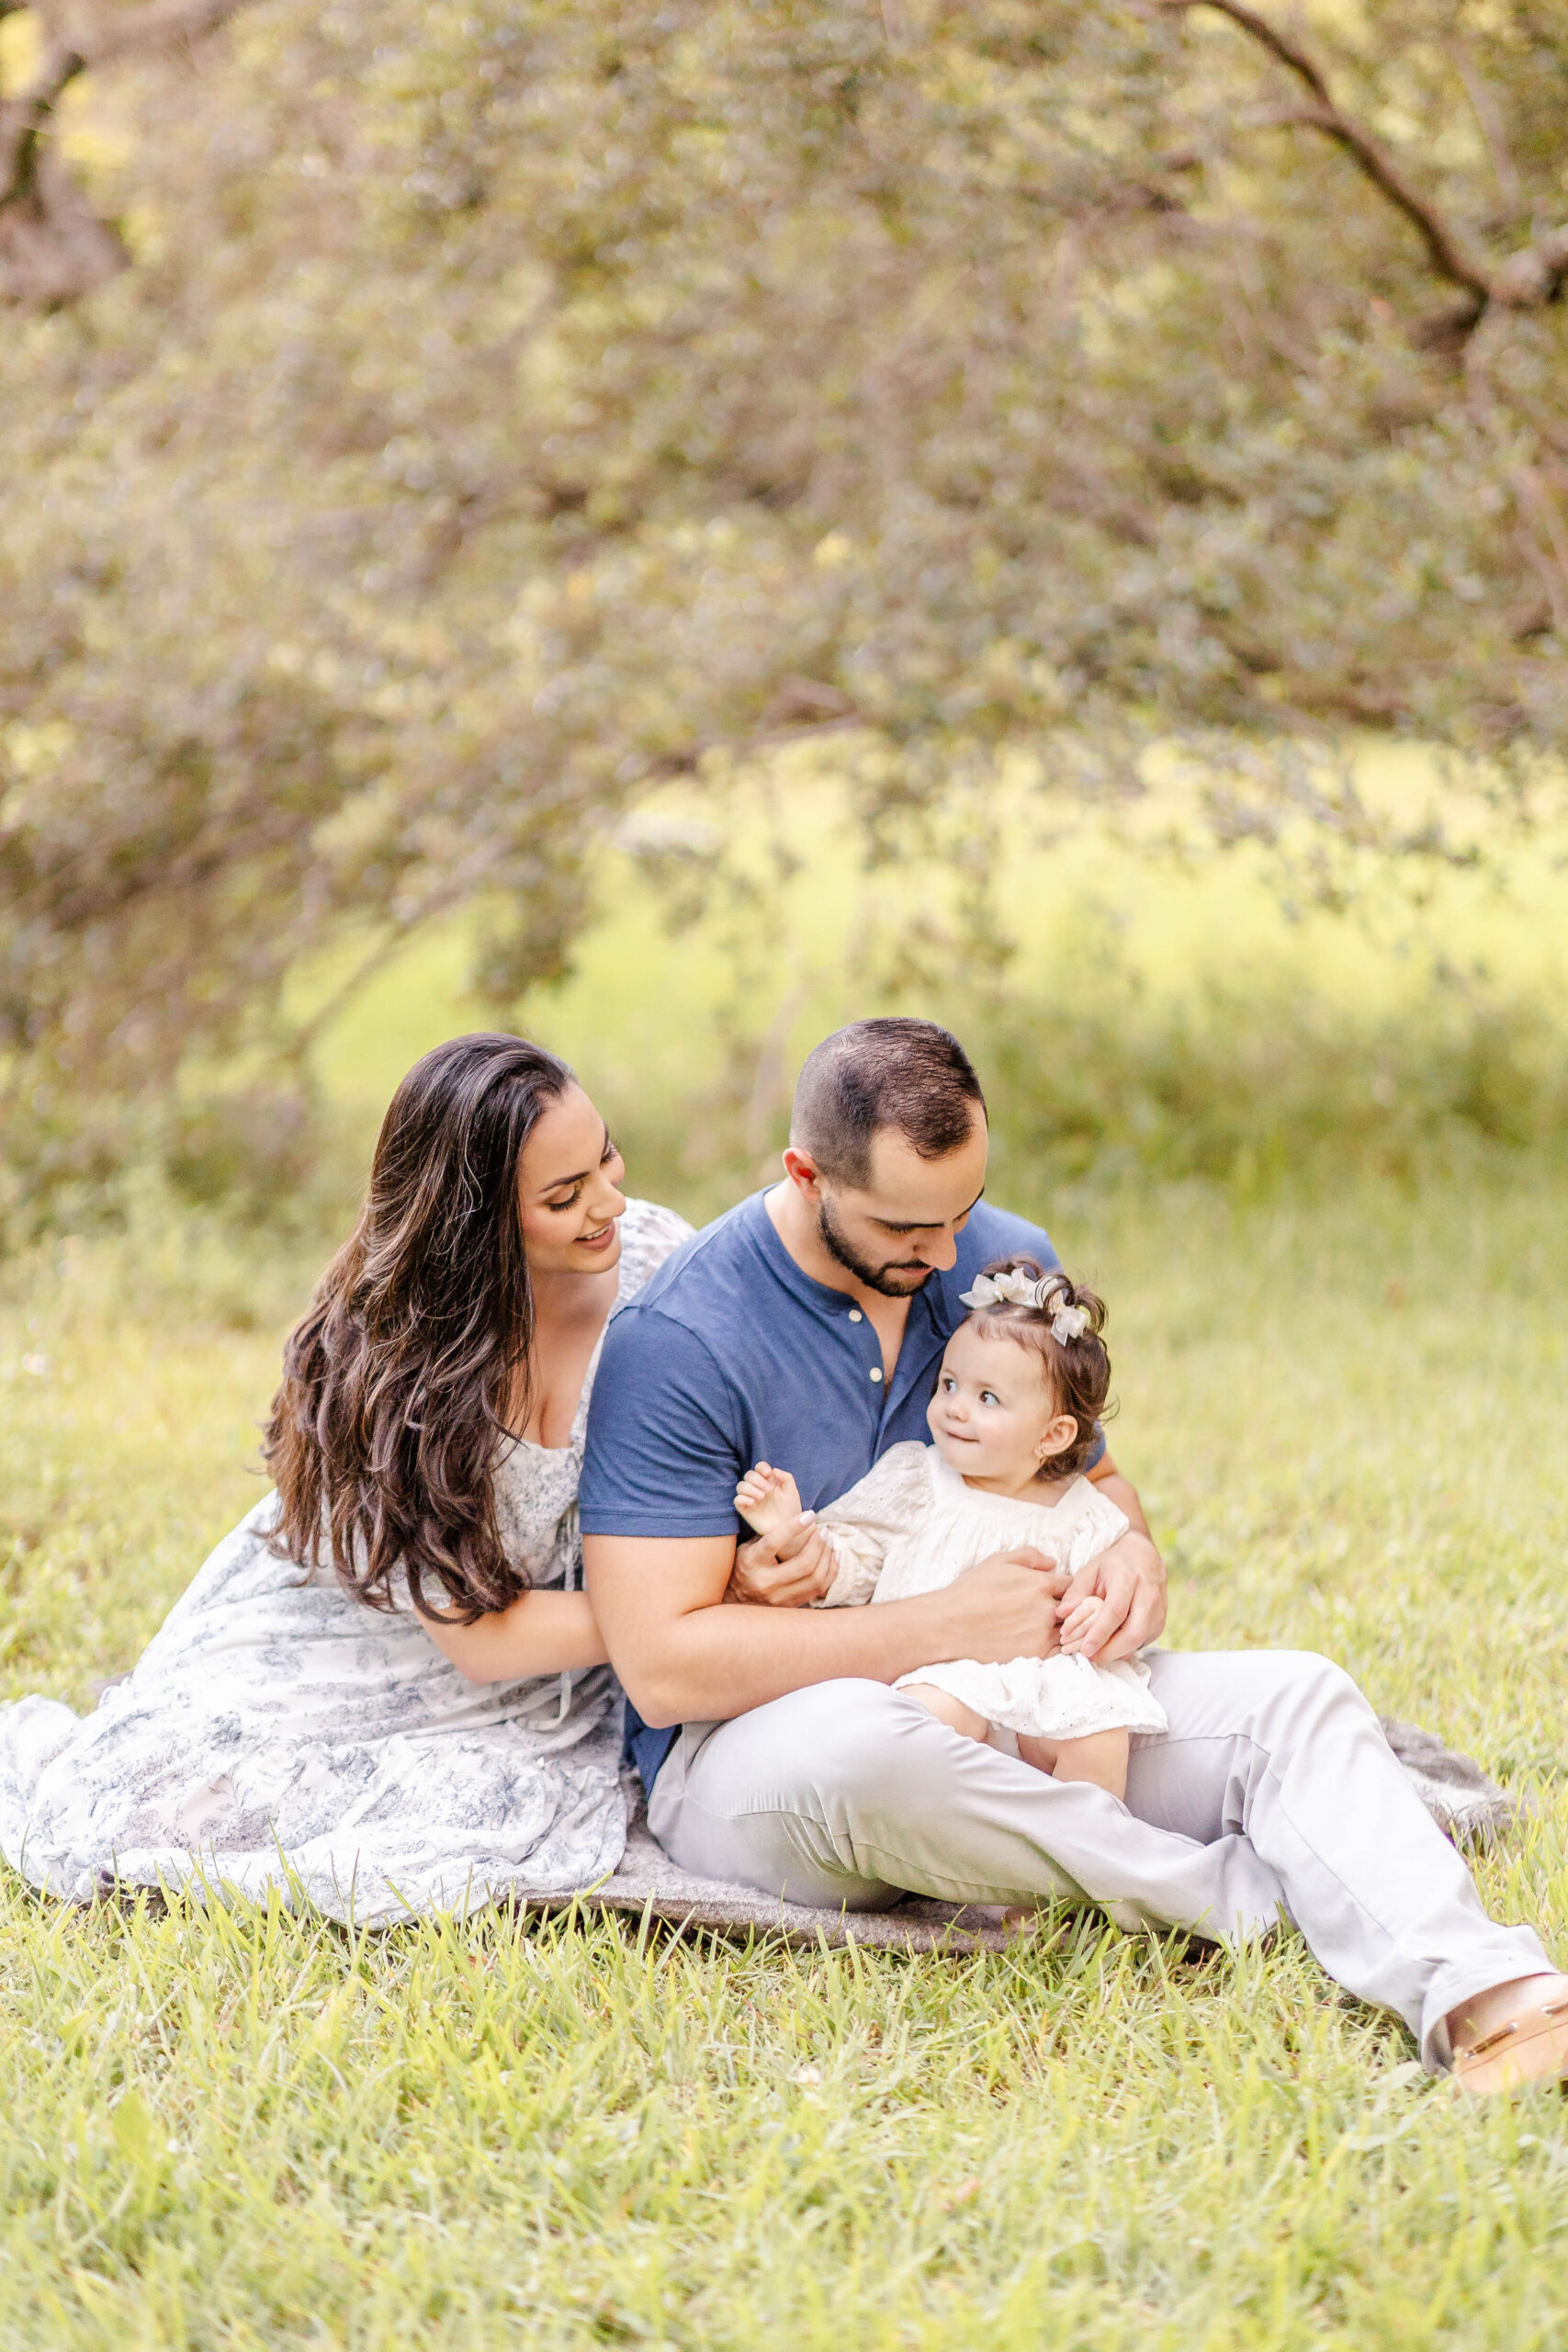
<point>541,1632</point>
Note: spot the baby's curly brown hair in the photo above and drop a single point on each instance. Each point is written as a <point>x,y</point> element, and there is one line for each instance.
<point>1078,1370</point>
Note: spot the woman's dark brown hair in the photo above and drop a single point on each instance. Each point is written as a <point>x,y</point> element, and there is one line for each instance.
<point>1078,1369</point>
<point>396,1384</point>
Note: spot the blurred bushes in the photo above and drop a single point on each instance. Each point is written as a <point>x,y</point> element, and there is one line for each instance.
<point>512,406</point>
<point>1104,1083</point>
<point>1246,1092</point>
<point>282,1164</point>
<point>260,1150</point>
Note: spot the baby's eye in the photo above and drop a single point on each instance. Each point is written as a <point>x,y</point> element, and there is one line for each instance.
<point>989,1397</point>
<point>947,1384</point>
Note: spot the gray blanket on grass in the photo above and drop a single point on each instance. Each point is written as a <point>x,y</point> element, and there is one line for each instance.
<point>1465,1804</point>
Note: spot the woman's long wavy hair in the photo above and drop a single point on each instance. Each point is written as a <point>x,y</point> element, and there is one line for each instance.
<point>398,1382</point>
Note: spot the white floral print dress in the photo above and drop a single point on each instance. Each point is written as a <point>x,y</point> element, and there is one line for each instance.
<point>911,1526</point>
<point>277,1731</point>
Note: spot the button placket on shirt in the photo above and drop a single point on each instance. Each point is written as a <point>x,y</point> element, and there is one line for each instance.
<point>875,1373</point>
<point>889,1393</point>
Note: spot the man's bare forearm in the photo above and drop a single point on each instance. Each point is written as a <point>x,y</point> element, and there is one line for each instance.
<point>685,1658</point>
<point>1131,1570</point>
<point>720,1661</point>
<point>1123,1493</point>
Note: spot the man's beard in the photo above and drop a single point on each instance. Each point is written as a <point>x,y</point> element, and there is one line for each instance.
<point>878,1278</point>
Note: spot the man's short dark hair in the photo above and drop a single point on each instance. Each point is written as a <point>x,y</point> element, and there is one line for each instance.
<point>892,1073</point>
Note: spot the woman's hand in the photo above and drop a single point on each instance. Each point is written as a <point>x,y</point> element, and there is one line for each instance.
<point>789,1569</point>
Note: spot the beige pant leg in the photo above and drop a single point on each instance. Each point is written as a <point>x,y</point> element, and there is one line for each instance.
<point>1274,1790</point>
<point>843,1793</point>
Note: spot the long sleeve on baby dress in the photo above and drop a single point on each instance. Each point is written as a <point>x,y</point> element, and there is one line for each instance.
<point>889,1503</point>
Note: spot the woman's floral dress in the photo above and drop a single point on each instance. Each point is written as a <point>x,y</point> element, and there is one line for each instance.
<point>277,1731</point>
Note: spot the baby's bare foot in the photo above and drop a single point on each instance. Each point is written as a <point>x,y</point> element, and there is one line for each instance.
<point>766,1497</point>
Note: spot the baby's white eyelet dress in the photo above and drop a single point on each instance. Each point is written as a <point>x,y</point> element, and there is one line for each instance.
<point>912,1525</point>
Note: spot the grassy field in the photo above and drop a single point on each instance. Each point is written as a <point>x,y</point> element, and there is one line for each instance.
<point>253,2131</point>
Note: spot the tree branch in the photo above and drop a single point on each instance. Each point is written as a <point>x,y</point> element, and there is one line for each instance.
<point>23,119</point>
<point>666,765</point>
<point>52,248</point>
<point>1526,280</point>
<point>1536,276</point>
<point>1447,254</point>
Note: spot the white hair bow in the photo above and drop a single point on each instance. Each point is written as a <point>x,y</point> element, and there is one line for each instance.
<point>1013,1289</point>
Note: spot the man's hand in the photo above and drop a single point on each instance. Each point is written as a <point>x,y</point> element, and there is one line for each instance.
<point>789,1569</point>
<point>1005,1607</point>
<point>1117,1603</point>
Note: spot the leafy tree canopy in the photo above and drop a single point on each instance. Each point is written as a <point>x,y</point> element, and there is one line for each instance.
<point>506,404</point>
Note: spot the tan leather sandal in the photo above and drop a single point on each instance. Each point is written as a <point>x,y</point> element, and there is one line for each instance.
<point>1531,2047</point>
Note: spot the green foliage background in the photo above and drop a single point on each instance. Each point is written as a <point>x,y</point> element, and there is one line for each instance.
<point>510,404</point>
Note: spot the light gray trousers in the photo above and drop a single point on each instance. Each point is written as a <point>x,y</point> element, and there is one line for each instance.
<point>1273,1791</point>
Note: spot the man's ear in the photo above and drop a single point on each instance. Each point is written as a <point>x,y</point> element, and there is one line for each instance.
<point>801,1170</point>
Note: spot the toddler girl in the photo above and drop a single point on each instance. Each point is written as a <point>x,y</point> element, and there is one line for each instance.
<point>1021,1385</point>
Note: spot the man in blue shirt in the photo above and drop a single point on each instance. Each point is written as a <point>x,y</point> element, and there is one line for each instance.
<point>805,1328</point>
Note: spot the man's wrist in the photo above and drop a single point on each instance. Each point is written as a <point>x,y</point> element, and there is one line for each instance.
<point>1152,1567</point>
<point>934,1627</point>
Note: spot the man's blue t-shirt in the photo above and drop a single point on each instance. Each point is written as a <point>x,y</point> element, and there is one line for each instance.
<point>732,1355</point>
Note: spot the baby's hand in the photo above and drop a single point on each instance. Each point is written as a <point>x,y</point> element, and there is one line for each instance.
<point>1087,1626</point>
<point>767,1498</point>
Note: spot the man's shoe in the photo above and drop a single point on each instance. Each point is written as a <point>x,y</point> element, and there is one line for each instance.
<point>1530,2049</point>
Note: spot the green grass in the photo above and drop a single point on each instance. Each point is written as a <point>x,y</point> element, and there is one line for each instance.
<point>253,2131</point>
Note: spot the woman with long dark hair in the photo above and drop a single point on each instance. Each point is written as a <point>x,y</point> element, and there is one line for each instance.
<point>295,1721</point>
